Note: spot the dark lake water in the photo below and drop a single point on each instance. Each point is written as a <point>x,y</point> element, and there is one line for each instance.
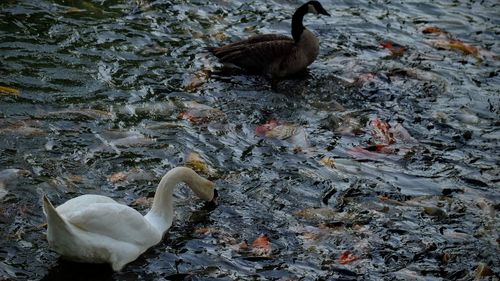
<point>381,163</point>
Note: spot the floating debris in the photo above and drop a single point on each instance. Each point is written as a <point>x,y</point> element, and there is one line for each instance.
<point>395,49</point>
<point>149,109</point>
<point>346,257</point>
<point>22,129</point>
<point>275,129</point>
<point>205,67</point>
<point>455,45</point>
<point>194,81</point>
<point>132,175</point>
<point>199,113</point>
<point>316,213</point>
<point>206,230</point>
<point>9,91</point>
<point>261,246</point>
<point>482,270</point>
<point>117,141</point>
<point>328,161</point>
<point>195,162</point>
<point>118,177</point>
<point>435,212</point>
<point>3,191</point>
<point>78,114</point>
<point>74,10</point>
<point>8,176</point>
<point>241,247</point>
<point>163,125</point>
<point>381,133</point>
<point>385,139</point>
<point>143,202</point>
<point>433,30</point>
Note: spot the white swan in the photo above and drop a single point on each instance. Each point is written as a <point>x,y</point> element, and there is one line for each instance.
<point>97,229</point>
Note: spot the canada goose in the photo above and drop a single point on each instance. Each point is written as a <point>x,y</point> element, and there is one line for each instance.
<point>97,229</point>
<point>274,54</point>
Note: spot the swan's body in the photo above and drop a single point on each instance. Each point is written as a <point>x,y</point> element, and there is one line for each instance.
<point>97,229</point>
<point>273,54</point>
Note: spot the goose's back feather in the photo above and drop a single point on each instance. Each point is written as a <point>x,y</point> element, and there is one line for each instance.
<point>256,53</point>
<point>255,39</point>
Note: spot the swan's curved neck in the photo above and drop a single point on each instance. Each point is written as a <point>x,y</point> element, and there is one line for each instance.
<point>297,25</point>
<point>162,212</point>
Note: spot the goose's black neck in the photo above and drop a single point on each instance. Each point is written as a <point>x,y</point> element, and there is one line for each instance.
<point>297,26</point>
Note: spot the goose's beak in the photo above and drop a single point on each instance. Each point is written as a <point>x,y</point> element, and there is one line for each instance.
<point>323,12</point>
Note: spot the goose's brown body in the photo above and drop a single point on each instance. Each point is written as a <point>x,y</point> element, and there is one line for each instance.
<point>274,54</point>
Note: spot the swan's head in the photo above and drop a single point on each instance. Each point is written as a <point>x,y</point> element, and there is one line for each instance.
<point>202,187</point>
<point>314,7</point>
<point>205,189</point>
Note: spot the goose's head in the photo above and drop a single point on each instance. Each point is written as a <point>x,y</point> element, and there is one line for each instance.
<point>314,7</point>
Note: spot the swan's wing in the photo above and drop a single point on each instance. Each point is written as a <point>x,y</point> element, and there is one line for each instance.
<point>116,221</point>
<point>259,55</point>
<point>80,202</point>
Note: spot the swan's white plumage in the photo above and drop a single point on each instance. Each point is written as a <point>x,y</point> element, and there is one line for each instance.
<point>111,219</point>
<point>97,229</point>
